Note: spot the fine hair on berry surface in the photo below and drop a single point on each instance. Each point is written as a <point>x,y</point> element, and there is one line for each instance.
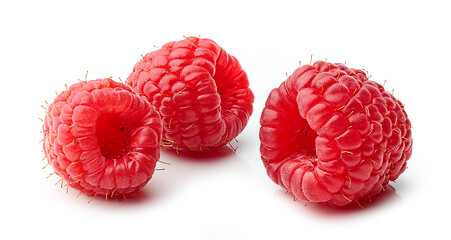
<point>330,135</point>
<point>101,138</point>
<point>200,91</point>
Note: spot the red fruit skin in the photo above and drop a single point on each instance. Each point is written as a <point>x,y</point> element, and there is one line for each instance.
<point>200,91</point>
<point>330,135</point>
<point>102,138</point>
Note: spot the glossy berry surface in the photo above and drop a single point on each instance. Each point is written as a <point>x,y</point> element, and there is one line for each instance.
<point>102,138</point>
<point>200,91</point>
<point>330,135</point>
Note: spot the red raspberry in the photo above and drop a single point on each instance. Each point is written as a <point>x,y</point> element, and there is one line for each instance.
<point>200,91</point>
<point>102,138</point>
<point>328,134</point>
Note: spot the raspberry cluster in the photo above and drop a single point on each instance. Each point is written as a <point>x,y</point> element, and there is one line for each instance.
<point>103,138</point>
<point>328,134</point>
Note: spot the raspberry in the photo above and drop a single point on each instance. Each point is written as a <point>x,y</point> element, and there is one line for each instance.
<point>328,134</point>
<point>200,91</point>
<point>102,138</point>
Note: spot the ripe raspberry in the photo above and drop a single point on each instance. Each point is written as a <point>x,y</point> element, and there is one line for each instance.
<point>328,134</point>
<point>102,138</point>
<point>200,91</point>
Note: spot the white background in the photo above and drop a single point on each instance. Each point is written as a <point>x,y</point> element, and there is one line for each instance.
<point>45,44</point>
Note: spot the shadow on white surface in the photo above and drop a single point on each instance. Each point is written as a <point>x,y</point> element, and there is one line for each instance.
<point>181,172</point>
<point>216,155</point>
<point>364,205</point>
